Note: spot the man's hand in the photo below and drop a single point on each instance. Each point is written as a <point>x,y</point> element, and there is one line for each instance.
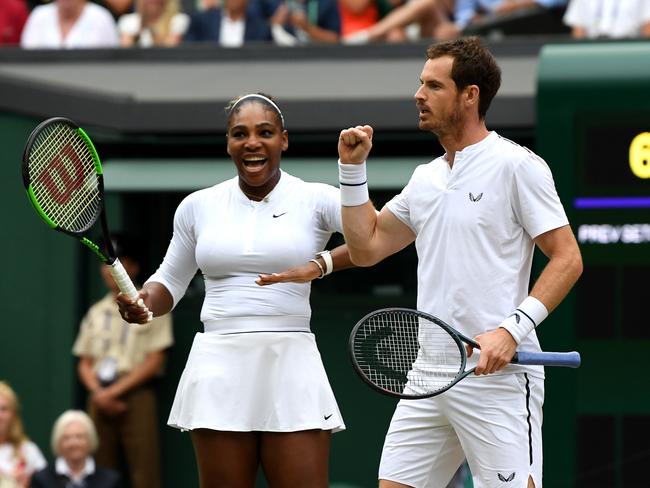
<point>108,404</point>
<point>497,349</point>
<point>355,144</point>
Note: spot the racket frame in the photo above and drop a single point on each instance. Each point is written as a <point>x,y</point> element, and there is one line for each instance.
<point>456,336</point>
<point>108,257</point>
<point>567,359</point>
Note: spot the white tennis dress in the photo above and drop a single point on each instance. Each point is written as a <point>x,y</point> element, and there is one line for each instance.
<point>256,367</point>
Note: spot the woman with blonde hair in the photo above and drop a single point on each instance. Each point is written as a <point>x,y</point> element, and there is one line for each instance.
<point>74,439</point>
<point>19,457</point>
<point>154,23</point>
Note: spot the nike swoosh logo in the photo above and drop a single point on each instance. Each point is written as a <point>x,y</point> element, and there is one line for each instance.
<point>278,215</point>
<point>327,417</point>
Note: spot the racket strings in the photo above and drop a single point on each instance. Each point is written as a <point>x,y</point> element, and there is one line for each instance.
<point>64,178</point>
<point>400,351</point>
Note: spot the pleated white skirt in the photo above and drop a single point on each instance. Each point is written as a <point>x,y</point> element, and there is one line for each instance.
<point>258,381</point>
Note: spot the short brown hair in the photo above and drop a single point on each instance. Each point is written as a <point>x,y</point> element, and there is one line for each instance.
<point>473,65</point>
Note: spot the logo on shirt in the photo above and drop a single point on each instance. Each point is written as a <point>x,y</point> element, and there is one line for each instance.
<point>275,216</point>
<point>476,198</point>
<point>327,417</point>
<point>506,479</point>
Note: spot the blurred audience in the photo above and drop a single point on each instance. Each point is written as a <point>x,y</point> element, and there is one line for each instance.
<point>230,25</point>
<point>118,7</point>
<point>69,24</point>
<point>357,16</point>
<point>608,18</point>
<point>467,12</point>
<point>19,457</point>
<point>13,15</point>
<point>424,15</point>
<point>305,21</point>
<point>154,23</point>
<point>74,439</point>
<point>118,364</point>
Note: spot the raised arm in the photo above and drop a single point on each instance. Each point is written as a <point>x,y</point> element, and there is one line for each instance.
<point>370,236</point>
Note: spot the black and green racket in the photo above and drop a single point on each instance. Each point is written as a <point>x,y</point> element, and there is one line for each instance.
<point>63,177</point>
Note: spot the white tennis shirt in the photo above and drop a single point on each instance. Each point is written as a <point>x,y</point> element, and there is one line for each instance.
<point>232,239</point>
<point>475,224</point>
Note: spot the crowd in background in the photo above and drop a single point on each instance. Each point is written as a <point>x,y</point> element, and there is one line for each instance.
<point>231,23</point>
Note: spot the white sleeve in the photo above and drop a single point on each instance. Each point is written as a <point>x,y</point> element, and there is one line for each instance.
<point>535,200</point>
<point>400,206</point>
<point>575,14</point>
<point>107,35</point>
<point>29,39</point>
<point>179,24</point>
<point>179,265</point>
<point>33,457</point>
<point>129,24</point>
<point>329,208</point>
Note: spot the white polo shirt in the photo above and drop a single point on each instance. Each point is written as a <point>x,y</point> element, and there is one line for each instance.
<point>232,239</point>
<point>475,224</point>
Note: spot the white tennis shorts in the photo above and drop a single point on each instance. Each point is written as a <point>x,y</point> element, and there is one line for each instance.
<point>494,421</point>
<point>257,381</point>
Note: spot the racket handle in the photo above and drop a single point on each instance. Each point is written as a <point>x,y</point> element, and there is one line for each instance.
<point>567,359</point>
<point>123,280</point>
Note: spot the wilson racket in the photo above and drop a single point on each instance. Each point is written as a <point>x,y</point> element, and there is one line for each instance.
<point>64,181</point>
<point>409,354</point>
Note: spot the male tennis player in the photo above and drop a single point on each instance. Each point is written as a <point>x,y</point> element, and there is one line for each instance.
<point>475,214</point>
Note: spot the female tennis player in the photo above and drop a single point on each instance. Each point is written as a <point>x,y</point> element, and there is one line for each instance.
<point>254,391</point>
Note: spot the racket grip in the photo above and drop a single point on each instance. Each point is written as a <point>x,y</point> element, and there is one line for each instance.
<point>123,280</point>
<point>566,359</point>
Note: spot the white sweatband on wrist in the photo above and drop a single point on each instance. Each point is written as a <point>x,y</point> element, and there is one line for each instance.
<point>322,271</point>
<point>353,183</point>
<point>329,263</point>
<point>528,315</point>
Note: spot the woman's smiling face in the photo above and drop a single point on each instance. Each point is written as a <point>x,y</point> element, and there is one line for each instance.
<point>256,141</point>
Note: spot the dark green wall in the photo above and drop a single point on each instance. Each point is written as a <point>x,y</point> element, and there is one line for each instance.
<point>40,296</point>
<point>602,84</point>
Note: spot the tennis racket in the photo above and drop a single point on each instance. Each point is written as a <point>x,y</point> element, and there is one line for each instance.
<point>63,177</point>
<point>409,354</point>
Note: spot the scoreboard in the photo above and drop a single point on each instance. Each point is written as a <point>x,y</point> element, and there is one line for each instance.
<point>593,129</point>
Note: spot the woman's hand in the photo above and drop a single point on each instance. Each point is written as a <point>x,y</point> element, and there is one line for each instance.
<point>300,274</point>
<point>134,312</point>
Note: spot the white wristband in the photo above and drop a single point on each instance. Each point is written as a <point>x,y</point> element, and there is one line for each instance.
<point>528,315</point>
<point>353,183</point>
<point>327,258</point>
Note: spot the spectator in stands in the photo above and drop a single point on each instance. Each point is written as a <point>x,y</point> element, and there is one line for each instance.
<point>19,457</point>
<point>70,24</point>
<point>425,15</point>
<point>13,15</point>
<point>230,25</point>
<point>119,7</point>
<point>608,18</point>
<point>357,16</point>
<point>304,21</point>
<point>118,364</point>
<point>154,23</point>
<point>467,12</point>
<point>74,439</point>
